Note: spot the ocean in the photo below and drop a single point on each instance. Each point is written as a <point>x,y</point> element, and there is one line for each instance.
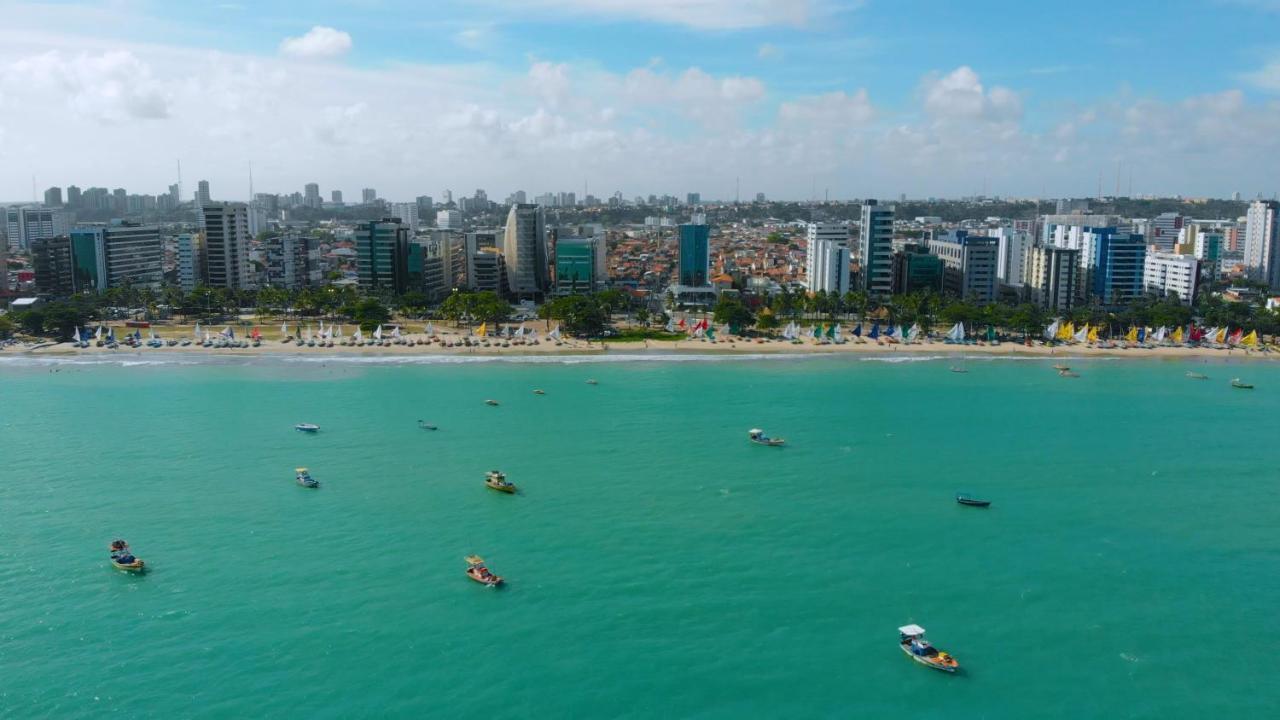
<point>657,564</point>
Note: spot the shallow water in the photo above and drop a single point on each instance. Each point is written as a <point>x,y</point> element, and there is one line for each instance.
<point>657,564</point>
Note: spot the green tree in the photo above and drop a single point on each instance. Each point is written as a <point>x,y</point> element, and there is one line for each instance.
<point>732,311</point>
<point>6,327</point>
<point>578,314</point>
<point>368,313</point>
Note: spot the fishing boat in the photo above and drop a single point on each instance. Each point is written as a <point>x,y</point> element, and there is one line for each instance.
<point>498,481</point>
<point>306,427</point>
<point>971,501</point>
<point>911,640</point>
<point>303,478</point>
<point>592,382</point>
<point>1197,376</point>
<point>492,403</point>
<point>758,437</point>
<point>426,425</point>
<point>123,559</point>
<point>1061,368</point>
<point>958,369</point>
<point>539,392</point>
<point>476,570</point>
<point>1237,383</point>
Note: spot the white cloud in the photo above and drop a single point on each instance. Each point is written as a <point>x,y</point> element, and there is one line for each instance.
<point>960,95</point>
<point>111,86</point>
<point>1267,77</point>
<point>320,42</point>
<point>769,51</point>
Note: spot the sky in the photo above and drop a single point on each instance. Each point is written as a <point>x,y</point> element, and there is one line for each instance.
<point>797,99</point>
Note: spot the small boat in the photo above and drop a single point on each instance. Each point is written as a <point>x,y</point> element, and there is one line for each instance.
<point>592,382</point>
<point>498,481</point>
<point>123,559</point>
<point>911,640</point>
<point>965,499</point>
<point>304,479</point>
<point>539,392</point>
<point>426,425</point>
<point>957,369</point>
<point>1062,368</point>
<point>758,437</point>
<point>493,403</point>
<point>1196,375</point>
<point>1237,383</point>
<point>1067,374</point>
<point>306,427</point>
<point>477,571</point>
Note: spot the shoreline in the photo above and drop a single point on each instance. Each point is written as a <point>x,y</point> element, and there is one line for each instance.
<point>745,349</point>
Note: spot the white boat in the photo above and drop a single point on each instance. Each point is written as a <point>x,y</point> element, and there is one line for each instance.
<point>911,640</point>
<point>306,427</point>
<point>758,437</point>
<point>426,425</point>
<point>303,477</point>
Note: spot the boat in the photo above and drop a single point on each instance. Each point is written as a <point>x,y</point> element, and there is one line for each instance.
<point>1237,383</point>
<point>305,480</point>
<point>1196,375</point>
<point>958,369</point>
<point>498,481</point>
<point>493,403</point>
<point>1068,374</point>
<point>476,570</point>
<point>306,427</point>
<point>123,559</point>
<point>758,437</point>
<point>539,392</point>
<point>592,382</point>
<point>1062,368</point>
<point>966,499</point>
<point>426,425</point>
<point>911,640</point>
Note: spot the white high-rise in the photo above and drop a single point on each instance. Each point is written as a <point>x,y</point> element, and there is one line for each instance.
<point>828,258</point>
<point>1171,274</point>
<point>448,220</point>
<point>408,214</point>
<point>1262,242</point>
<point>1012,254</point>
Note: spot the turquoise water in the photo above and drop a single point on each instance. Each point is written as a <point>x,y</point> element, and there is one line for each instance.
<point>658,565</point>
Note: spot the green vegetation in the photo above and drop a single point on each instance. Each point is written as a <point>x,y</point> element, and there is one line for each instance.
<point>475,307</point>
<point>642,334</point>
<point>732,311</point>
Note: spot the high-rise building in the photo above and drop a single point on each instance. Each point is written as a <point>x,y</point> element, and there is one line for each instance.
<point>577,264</point>
<point>287,264</point>
<point>120,200</point>
<point>828,258</point>
<point>311,195</point>
<point>1164,230</point>
<point>190,261</point>
<point>1050,277</point>
<point>525,248</point>
<point>369,196</point>
<point>695,254</point>
<point>336,197</point>
<point>1064,230</point>
<point>25,225</point>
<point>117,255</point>
<point>1114,272</point>
<point>53,197</point>
<point>202,193</point>
<point>408,214</point>
<point>971,262</point>
<point>382,255</point>
<point>73,196</point>
<point>693,199</point>
<point>1208,249</point>
<point>175,195</point>
<point>915,269</point>
<point>477,246</point>
<point>1171,274</point>
<point>1013,245</point>
<point>448,219</point>
<point>426,206</point>
<point>875,249</point>
<point>54,270</point>
<point>1261,242</point>
<point>226,245</point>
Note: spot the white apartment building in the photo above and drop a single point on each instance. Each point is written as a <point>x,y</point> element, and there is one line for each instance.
<point>828,257</point>
<point>1170,273</point>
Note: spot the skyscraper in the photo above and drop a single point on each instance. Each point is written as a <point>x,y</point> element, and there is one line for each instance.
<point>408,214</point>
<point>369,196</point>
<point>1114,274</point>
<point>1164,230</point>
<point>875,249</point>
<point>73,196</point>
<point>117,255</point>
<point>695,254</point>
<point>577,264</point>
<point>1050,277</point>
<point>828,258</point>
<point>53,197</point>
<point>202,193</point>
<point>190,260</point>
<point>524,247</point>
<point>448,220</point>
<point>1261,242</point>
<point>382,255</point>
<point>311,195</point>
<point>226,245</point>
<point>336,197</point>
<point>971,262</point>
<point>26,225</point>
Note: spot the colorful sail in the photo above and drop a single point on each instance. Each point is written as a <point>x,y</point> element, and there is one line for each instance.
<point>1236,336</point>
<point>1082,335</point>
<point>857,330</point>
<point>831,331</point>
<point>1132,335</point>
<point>1221,336</point>
<point>1250,340</point>
<point>875,331</point>
<point>1093,335</point>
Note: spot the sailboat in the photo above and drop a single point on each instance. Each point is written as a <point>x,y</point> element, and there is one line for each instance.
<point>1066,331</point>
<point>1093,335</point>
<point>956,333</point>
<point>875,332</point>
<point>913,335</point>
<point>1177,335</point>
<point>1051,332</point>
<point>1082,335</point>
<point>1250,340</point>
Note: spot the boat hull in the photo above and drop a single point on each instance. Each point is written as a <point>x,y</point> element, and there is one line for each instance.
<point>931,662</point>
<point>508,488</point>
<point>970,502</point>
<point>490,581</point>
<point>137,567</point>
<point>770,443</point>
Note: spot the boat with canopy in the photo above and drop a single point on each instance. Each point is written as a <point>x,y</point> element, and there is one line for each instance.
<point>911,640</point>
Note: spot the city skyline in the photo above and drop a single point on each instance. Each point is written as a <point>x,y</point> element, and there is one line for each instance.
<point>798,100</point>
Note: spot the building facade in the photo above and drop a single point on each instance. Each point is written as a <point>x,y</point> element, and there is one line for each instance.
<point>117,255</point>
<point>525,247</point>
<point>408,214</point>
<point>971,262</point>
<point>383,255</point>
<point>695,254</point>
<point>1172,274</point>
<point>875,249</point>
<point>52,262</point>
<point>915,269</point>
<point>1012,254</point>
<point>25,225</point>
<point>1262,242</point>
<point>190,260</point>
<point>1115,271</point>
<point>577,263</point>
<point>828,259</point>
<point>450,219</point>
<point>225,263</point>
<point>287,261</point>
<point>1050,277</point>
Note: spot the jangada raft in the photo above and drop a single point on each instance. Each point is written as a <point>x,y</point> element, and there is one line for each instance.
<point>476,570</point>
<point>123,559</point>
<point>911,640</point>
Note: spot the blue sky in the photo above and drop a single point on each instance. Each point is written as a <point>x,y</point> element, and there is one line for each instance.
<point>862,98</point>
